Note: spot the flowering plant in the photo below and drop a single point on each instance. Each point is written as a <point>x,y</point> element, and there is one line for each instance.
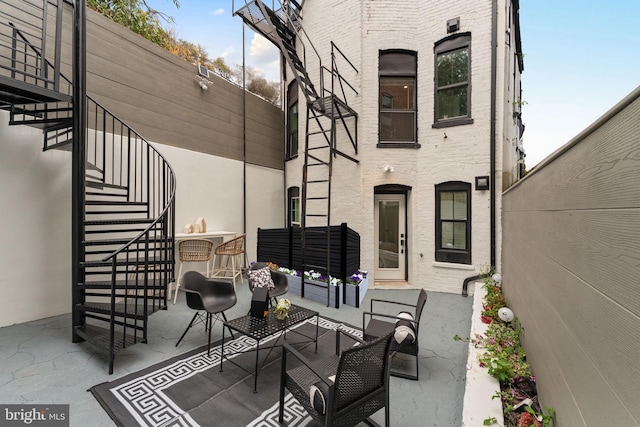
<point>354,279</point>
<point>282,308</point>
<point>505,359</point>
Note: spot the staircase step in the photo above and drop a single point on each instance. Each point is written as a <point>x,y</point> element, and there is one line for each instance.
<point>46,125</point>
<point>66,145</point>
<point>106,242</point>
<point>132,311</point>
<point>96,184</point>
<point>104,194</point>
<point>122,221</point>
<point>134,263</point>
<point>99,338</point>
<point>19,92</point>
<point>113,203</point>
<point>120,285</point>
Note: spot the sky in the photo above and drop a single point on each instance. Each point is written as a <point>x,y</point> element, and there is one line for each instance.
<point>581,58</point>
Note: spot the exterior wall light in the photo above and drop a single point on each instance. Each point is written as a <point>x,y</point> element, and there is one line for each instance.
<point>482,183</point>
<point>388,168</point>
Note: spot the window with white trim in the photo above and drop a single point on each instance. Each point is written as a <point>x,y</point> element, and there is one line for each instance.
<point>293,201</point>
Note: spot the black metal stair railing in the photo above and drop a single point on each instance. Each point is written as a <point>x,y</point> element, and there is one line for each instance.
<point>129,234</point>
<point>24,70</point>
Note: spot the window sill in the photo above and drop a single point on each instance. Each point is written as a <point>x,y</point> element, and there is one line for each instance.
<point>412,145</point>
<point>291,158</point>
<point>445,123</point>
<point>453,265</point>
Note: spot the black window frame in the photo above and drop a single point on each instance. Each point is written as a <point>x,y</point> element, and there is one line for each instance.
<point>455,256</point>
<point>455,42</point>
<point>292,101</point>
<point>398,64</point>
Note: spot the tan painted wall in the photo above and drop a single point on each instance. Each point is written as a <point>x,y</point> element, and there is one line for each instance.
<point>571,267</point>
<point>156,93</point>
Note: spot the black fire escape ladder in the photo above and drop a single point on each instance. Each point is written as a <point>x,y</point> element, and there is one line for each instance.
<point>326,106</point>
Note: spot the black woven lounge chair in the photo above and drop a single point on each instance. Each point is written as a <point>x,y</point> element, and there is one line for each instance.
<point>405,330</point>
<point>345,389</point>
<point>210,295</point>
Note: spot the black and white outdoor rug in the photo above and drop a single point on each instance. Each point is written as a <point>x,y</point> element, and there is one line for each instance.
<point>190,390</point>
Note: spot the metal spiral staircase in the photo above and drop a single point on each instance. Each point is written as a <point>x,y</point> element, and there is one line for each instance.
<point>327,110</point>
<point>126,189</point>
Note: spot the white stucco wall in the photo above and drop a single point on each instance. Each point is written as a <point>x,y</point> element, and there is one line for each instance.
<point>460,153</point>
<point>35,231</point>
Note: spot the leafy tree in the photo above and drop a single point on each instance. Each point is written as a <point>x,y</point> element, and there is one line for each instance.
<point>137,16</point>
<point>258,84</point>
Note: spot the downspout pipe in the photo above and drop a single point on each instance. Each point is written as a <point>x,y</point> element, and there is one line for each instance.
<point>492,143</point>
<point>492,154</point>
<point>465,284</point>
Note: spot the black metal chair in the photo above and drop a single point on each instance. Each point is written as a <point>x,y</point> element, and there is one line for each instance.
<point>345,389</point>
<point>211,295</point>
<point>279,280</point>
<point>382,323</point>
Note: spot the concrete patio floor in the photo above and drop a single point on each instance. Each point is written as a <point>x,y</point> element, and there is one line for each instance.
<point>40,364</point>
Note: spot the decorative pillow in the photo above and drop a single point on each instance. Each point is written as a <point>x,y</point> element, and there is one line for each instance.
<point>318,395</point>
<point>405,332</point>
<point>261,278</point>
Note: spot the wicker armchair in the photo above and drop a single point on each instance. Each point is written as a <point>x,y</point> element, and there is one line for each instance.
<point>382,323</point>
<point>354,385</point>
<point>192,250</point>
<point>234,251</point>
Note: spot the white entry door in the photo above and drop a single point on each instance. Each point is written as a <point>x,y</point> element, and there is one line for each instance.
<point>390,233</point>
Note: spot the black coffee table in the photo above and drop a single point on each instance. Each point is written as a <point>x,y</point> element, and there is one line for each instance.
<point>260,328</point>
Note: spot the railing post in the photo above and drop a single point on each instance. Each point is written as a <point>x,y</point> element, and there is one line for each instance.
<point>78,160</point>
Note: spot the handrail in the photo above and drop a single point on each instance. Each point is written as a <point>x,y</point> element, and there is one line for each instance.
<point>40,65</point>
<point>172,184</point>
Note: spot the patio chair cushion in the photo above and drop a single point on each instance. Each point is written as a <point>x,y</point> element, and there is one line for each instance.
<point>318,395</point>
<point>405,331</point>
<point>261,278</point>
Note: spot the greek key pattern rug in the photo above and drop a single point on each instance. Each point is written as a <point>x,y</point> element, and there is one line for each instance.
<point>190,390</point>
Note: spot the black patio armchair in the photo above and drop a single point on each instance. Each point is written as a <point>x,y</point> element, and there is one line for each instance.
<point>405,327</point>
<point>211,295</point>
<point>279,280</point>
<point>341,390</point>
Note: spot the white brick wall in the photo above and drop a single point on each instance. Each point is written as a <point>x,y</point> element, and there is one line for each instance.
<point>361,29</point>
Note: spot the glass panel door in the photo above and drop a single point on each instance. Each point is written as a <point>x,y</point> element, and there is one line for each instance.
<point>391,236</point>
